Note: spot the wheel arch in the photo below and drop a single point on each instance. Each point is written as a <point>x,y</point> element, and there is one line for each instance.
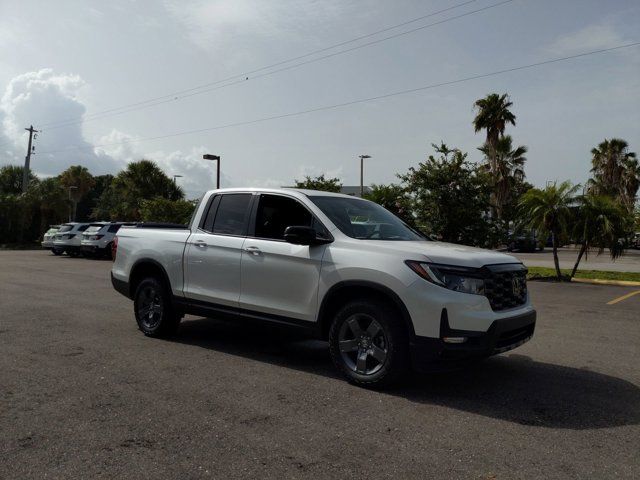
<point>147,267</point>
<point>346,290</point>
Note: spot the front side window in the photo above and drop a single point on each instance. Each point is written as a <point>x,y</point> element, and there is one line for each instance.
<point>364,220</point>
<point>233,214</point>
<point>276,213</point>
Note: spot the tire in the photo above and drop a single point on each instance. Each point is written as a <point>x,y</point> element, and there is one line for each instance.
<point>368,344</point>
<point>57,252</point>
<point>108,252</point>
<point>153,309</point>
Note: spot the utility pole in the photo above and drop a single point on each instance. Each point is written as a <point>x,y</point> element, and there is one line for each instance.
<point>27,160</point>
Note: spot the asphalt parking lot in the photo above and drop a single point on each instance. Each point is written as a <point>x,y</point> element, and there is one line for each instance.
<point>83,394</point>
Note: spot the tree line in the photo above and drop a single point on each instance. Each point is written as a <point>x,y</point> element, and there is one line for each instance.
<point>483,204</point>
<point>140,192</point>
<point>447,196</point>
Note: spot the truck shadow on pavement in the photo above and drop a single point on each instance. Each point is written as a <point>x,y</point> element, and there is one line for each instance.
<point>509,387</point>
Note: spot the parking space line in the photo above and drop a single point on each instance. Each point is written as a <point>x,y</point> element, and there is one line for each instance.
<point>623,297</point>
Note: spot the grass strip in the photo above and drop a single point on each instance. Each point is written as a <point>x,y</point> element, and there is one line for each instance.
<point>541,273</point>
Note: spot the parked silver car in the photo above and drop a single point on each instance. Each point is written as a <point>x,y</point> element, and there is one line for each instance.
<point>68,238</point>
<point>98,238</point>
<point>48,237</point>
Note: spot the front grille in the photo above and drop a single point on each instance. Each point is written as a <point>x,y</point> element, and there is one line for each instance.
<point>506,288</point>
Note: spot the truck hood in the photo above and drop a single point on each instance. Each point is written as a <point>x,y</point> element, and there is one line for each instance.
<point>445,253</point>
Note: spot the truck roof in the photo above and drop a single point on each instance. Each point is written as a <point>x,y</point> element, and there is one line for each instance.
<point>302,191</point>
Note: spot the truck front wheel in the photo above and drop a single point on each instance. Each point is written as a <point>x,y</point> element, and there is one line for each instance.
<point>153,309</point>
<point>368,343</point>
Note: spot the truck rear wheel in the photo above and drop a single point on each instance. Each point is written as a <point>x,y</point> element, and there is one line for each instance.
<point>153,309</point>
<point>368,344</point>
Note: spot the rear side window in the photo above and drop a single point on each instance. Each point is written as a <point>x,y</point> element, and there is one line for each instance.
<point>232,215</point>
<point>94,229</point>
<point>114,228</point>
<point>209,214</point>
<point>65,228</point>
<point>82,228</point>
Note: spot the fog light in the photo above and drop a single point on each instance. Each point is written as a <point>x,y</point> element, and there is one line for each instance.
<point>454,339</point>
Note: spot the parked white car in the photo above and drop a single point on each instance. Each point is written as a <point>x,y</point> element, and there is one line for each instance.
<point>98,238</point>
<point>69,237</point>
<point>49,236</point>
<point>341,268</point>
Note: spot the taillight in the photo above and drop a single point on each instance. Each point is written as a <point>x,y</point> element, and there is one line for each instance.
<point>114,249</point>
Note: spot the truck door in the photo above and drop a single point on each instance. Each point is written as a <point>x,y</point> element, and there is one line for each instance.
<point>213,251</point>
<point>279,278</point>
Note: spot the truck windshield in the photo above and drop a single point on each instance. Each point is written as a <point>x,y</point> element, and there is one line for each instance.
<point>365,220</point>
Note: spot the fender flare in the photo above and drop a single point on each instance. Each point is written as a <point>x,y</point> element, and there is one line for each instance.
<point>346,284</point>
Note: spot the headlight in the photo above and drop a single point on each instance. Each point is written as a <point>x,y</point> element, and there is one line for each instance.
<point>459,279</point>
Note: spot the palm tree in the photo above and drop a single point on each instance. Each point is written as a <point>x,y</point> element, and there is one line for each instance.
<point>615,171</point>
<point>493,116</point>
<point>600,223</point>
<point>78,181</point>
<point>11,179</point>
<point>549,210</point>
<point>142,180</point>
<point>508,170</point>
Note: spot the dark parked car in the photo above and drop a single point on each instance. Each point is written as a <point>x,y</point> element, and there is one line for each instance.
<point>524,242</point>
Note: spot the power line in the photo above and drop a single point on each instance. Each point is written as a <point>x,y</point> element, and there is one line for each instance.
<point>353,102</point>
<point>244,77</point>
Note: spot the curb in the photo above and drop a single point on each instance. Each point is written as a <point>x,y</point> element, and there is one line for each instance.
<point>597,281</point>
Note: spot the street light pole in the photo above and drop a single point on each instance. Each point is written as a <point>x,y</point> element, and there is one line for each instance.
<point>362,157</point>
<point>174,178</point>
<point>216,158</point>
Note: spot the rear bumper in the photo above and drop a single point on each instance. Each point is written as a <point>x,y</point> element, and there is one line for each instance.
<point>429,354</point>
<point>92,249</point>
<point>120,286</point>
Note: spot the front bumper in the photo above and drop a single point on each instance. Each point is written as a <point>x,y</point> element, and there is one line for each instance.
<point>432,354</point>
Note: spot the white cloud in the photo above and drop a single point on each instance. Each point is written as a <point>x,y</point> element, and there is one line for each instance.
<point>198,175</point>
<point>592,37</point>
<point>210,24</point>
<point>42,97</point>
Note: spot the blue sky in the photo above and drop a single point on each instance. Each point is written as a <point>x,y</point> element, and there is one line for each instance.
<point>61,60</point>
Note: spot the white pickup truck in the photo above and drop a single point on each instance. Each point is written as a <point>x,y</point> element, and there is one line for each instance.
<point>338,267</point>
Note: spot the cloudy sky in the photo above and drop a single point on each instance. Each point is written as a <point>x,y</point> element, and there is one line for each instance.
<point>68,66</point>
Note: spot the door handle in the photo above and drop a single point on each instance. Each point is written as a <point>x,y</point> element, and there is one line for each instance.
<point>200,243</point>
<point>253,250</point>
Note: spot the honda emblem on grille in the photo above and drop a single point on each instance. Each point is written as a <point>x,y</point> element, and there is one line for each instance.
<point>517,286</point>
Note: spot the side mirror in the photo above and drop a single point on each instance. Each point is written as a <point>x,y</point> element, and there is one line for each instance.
<point>301,235</point>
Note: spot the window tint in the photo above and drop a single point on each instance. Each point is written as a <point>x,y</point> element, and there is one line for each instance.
<point>82,228</point>
<point>276,213</point>
<point>114,228</point>
<point>209,213</point>
<point>232,215</point>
